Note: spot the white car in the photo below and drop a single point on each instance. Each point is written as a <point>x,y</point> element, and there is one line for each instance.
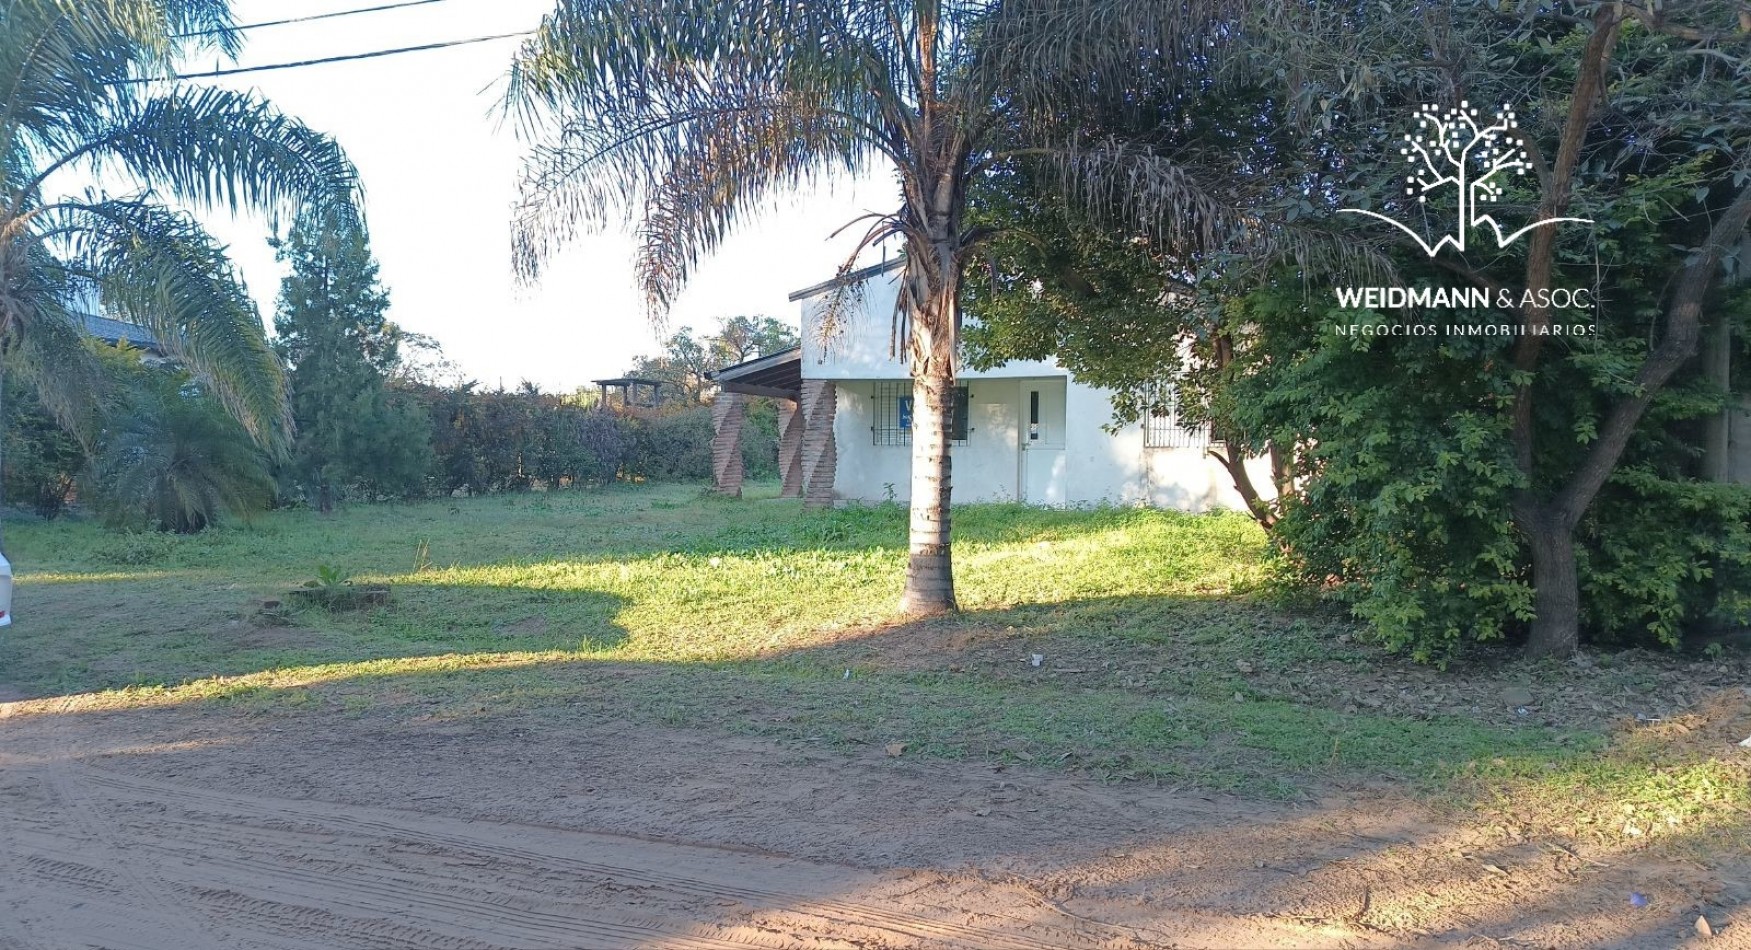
<point>5,592</point>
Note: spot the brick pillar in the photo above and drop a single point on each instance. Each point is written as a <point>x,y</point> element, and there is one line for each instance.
<point>728,412</point>
<point>820,453</point>
<point>790,449</point>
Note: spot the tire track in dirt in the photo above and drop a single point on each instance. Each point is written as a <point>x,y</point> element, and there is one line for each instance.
<point>299,874</point>
<point>138,882</point>
<point>389,825</point>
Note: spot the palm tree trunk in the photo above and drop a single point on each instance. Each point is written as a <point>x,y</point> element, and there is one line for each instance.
<point>930,581</point>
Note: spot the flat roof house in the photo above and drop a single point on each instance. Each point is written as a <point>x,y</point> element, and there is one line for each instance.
<point>1025,431</point>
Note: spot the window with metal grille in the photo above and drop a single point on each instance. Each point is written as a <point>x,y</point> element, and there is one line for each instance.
<point>1165,431</point>
<point>893,414</point>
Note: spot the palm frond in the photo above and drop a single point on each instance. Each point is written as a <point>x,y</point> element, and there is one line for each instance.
<point>174,461</point>
<point>52,352</point>
<point>61,60</point>
<point>219,148</point>
<point>160,269</point>
<point>690,112</point>
<point>1043,56</point>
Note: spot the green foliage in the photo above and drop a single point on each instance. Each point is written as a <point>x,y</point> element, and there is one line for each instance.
<point>687,361</point>
<point>1404,511</point>
<point>1408,499</point>
<point>42,459</point>
<point>354,436</point>
<point>171,458</point>
<point>75,112</point>
<point>1407,485</point>
<point>1662,557</point>
<point>129,548</point>
<point>670,446</point>
<point>760,440</point>
<point>496,440</point>
<point>329,578</point>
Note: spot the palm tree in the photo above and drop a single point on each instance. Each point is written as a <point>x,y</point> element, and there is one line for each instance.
<point>80,101</point>
<point>694,113</point>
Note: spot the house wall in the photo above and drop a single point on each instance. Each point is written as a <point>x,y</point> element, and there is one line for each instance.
<point>984,468</point>
<point>859,350</point>
<point>1076,461</point>
<point>1082,464</point>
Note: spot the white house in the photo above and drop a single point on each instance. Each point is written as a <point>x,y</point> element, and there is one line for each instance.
<point>1026,431</point>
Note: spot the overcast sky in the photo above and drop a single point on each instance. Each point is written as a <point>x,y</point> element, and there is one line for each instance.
<point>440,176</point>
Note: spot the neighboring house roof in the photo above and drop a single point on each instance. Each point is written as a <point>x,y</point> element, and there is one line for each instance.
<point>856,276</point>
<point>628,381</point>
<point>120,331</point>
<point>779,375</point>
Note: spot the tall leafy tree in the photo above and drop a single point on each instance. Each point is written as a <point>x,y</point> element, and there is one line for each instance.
<point>1634,114</point>
<point>332,331</point>
<point>744,338</point>
<point>79,102</point>
<point>687,361</point>
<point>1463,488</point>
<point>694,113</point>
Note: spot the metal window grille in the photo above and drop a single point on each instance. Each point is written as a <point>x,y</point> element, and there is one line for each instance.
<point>893,414</point>
<point>1164,430</point>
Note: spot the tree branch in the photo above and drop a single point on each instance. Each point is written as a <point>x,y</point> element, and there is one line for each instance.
<point>1558,192</point>
<point>1677,345</point>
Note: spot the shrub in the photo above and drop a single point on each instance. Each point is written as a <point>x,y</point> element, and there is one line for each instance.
<point>42,460</point>
<point>671,446</point>
<point>174,460</point>
<point>760,440</point>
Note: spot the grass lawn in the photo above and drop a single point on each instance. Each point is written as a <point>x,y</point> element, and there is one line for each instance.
<point>1163,654</point>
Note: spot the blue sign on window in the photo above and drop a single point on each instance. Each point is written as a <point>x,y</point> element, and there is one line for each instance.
<point>905,403</point>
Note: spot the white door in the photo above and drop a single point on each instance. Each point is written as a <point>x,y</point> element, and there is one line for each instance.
<point>1040,469</point>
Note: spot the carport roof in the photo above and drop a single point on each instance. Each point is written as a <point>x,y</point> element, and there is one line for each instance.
<point>779,375</point>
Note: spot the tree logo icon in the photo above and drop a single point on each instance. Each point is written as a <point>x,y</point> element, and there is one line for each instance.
<point>1455,148</point>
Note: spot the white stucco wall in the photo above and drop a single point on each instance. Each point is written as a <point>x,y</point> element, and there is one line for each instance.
<point>1074,462</point>
<point>860,349</point>
<point>1082,464</point>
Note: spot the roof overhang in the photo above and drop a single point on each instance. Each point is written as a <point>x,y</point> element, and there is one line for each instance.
<point>779,376</point>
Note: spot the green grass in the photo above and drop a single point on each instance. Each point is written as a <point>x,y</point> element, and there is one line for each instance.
<point>667,606</point>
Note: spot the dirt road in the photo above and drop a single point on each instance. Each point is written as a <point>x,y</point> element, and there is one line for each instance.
<point>202,828</point>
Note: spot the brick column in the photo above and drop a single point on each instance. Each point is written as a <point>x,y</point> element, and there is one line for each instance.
<point>790,449</point>
<point>728,412</point>
<point>820,452</point>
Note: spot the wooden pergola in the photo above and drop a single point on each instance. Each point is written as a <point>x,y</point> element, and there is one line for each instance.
<point>807,454</point>
<point>629,391</point>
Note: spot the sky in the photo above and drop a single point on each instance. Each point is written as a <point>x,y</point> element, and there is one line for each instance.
<point>439,173</point>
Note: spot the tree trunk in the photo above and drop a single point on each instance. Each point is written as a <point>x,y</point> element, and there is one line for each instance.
<point>1556,629</point>
<point>325,498</point>
<point>1717,363</point>
<point>930,582</point>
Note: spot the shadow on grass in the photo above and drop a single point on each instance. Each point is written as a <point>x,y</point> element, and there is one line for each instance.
<point>1189,688</point>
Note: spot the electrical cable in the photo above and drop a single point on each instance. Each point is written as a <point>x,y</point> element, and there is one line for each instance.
<point>326,59</point>
<point>302,19</point>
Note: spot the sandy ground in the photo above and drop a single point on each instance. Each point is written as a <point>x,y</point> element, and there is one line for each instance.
<point>203,827</point>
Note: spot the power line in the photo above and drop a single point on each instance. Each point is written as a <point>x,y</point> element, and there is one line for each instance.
<point>303,19</point>
<point>328,59</point>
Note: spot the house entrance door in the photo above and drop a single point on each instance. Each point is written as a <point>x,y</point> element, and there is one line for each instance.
<point>1040,475</point>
